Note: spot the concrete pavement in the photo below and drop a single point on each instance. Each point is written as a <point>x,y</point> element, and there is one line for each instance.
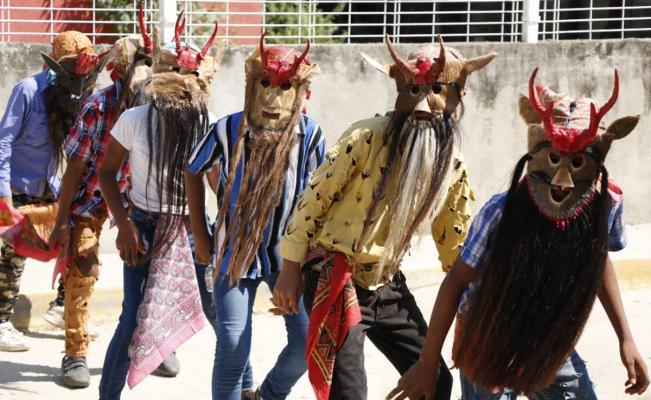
<point>34,375</point>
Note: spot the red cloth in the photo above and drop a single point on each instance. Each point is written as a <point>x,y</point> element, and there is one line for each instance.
<point>334,312</point>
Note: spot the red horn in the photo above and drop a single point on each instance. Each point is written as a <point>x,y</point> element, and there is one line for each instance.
<point>298,60</point>
<point>397,59</point>
<point>208,44</point>
<point>547,115</point>
<point>149,46</point>
<point>178,28</point>
<point>595,116</point>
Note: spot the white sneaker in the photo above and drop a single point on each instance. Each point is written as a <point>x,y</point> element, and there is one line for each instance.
<point>54,315</point>
<point>11,339</point>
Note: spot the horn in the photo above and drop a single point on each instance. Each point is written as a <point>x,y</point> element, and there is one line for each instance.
<point>547,115</point>
<point>437,68</point>
<point>208,44</point>
<point>149,46</point>
<point>299,59</point>
<point>178,28</point>
<point>263,53</point>
<point>396,57</point>
<point>595,116</point>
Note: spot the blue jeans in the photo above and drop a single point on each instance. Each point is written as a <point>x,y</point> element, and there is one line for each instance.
<point>116,361</point>
<point>572,382</point>
<point>232,372</point>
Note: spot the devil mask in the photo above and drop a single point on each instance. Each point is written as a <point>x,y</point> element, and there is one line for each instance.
<point>75,63</point>
<point>433,76</point>
<point>278,80</point>
<point>568,142</point>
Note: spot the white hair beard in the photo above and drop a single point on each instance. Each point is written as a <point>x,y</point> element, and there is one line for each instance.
<point>412,180</point>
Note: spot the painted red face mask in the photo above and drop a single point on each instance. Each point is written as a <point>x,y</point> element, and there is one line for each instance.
<point>186,57</point>
<point>274,62</point>
<point>565,138</point>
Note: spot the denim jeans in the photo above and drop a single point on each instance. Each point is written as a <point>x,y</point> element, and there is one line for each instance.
<point>232,372</point>
<point>572,382</point>
<point>116,361</point>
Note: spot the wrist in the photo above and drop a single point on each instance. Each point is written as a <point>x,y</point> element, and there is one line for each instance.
<point>123,223</point>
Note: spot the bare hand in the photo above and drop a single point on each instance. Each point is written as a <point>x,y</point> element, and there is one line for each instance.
<point>419,382</point>
<point>128,243</point>
<point>638,376</point>
<point>288,289</point>
<point>60,236</point>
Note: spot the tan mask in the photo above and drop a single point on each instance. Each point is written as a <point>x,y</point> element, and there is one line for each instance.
<point>568,144</point>
<point>276,75</point>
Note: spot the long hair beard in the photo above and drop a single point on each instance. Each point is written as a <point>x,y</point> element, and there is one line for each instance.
<point>178,130</point>
<point>534,293</point>
<point>61,114</point>
<point>261,186</point>
<point>415,184</point>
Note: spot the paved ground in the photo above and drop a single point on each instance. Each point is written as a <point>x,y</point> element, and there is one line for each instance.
<point>34,374</point>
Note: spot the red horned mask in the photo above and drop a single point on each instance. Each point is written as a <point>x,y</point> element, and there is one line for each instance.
<point>565,138</point>
<point>149,45</point>
<point>186,57</point>
<point>275,64</point>
<point>425,71</point>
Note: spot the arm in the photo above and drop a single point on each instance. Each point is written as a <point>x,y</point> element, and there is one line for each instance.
<point>11,125</point>
<point>611,300</point>
<point>128,241</point>
<point>450,227</point>
<point>69,184</point>
<point>420,379</point>
<point>196,193</point>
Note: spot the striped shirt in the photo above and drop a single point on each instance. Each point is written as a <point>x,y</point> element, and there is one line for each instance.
<point>216,148</point>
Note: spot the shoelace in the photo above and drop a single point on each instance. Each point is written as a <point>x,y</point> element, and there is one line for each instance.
<point>72,363</point>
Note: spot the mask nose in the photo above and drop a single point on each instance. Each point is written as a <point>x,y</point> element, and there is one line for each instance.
<point>423,105</point>
<point>563,179</point>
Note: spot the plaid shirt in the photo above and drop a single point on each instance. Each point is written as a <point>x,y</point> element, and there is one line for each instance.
<point>88,141</point>
<point>481,236</point>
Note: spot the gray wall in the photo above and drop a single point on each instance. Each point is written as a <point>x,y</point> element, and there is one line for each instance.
<point>493,135</point>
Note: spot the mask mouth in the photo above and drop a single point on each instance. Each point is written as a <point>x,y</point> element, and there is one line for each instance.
<point>420,115</point>
<point>269,115</point>
<point>559,194</point>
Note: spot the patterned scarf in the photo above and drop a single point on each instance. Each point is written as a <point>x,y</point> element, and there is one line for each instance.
<point>334,312</point>
<point>170,312</point>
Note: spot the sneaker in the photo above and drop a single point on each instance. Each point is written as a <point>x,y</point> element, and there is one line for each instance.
<point>11,339</point>
<point>74,372</point>
<point>169,368</point>
<point>54,315</point>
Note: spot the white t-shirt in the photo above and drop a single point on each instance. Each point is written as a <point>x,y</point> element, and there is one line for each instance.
<point>130,130</point>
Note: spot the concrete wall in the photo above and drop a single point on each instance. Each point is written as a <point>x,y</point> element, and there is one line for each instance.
<point>493,135</point>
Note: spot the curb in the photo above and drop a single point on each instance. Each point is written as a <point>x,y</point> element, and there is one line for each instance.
<point>106,303</point>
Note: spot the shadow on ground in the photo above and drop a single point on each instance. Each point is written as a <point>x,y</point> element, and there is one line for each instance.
<point>13,372</point>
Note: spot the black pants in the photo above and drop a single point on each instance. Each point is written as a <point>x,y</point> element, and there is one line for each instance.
<point>393,322</point>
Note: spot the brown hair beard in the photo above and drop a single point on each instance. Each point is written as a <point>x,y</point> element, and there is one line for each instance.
<point>431,176</point>
<point>534,293</point>
<point>261,186</point>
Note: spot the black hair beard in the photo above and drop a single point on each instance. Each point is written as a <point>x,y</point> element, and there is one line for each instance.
<point>534,293</point>
<point>62,112</point>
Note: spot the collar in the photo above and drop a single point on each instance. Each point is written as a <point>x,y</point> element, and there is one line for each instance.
<point>41,80</point>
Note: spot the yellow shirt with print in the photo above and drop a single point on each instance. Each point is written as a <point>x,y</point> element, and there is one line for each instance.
<point>332,209</point>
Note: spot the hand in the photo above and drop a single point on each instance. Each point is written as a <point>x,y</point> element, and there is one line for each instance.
<point>202,247</point>
<point>60,236</point>
<point>638,376</point>
<point>419,382</point>
<point>128,243</point>
<point>288,289</point>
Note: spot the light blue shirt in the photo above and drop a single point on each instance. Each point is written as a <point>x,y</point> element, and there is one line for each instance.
<point>27,162</point>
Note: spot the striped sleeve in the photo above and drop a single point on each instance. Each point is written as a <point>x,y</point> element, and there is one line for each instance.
<point>482,232</point>
<point>210,149</point>
<point>316,152</point>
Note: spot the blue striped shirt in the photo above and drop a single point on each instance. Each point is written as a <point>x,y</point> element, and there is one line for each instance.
<point>216,148</point>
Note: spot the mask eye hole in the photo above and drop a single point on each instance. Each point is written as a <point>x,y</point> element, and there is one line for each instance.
<point>436,88</point>
<point>415,89</point>
<point>265,83</point>
<point>554,157</point>
<point>578,161</point>
<point>286,86</point>
<point>176,69</point>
